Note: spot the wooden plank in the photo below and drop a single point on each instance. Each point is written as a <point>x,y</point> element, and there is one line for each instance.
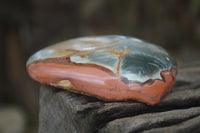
<point>64,111</point>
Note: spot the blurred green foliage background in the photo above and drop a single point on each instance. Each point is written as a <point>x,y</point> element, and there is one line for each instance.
<point>29,25</point>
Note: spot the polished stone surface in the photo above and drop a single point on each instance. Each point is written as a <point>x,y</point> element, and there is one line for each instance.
<point>112,68</point>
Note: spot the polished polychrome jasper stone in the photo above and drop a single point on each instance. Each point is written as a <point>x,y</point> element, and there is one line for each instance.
<point>111,68</point>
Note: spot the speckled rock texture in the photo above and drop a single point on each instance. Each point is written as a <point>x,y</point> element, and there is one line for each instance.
<point>62,111</point>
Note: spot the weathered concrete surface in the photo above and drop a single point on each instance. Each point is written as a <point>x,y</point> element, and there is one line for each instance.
<point>67,112</point>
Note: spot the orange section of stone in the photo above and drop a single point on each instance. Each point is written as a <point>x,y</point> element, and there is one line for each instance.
<point>102,84</point>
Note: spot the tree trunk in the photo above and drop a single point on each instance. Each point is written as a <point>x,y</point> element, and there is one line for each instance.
<point>62,111</point>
